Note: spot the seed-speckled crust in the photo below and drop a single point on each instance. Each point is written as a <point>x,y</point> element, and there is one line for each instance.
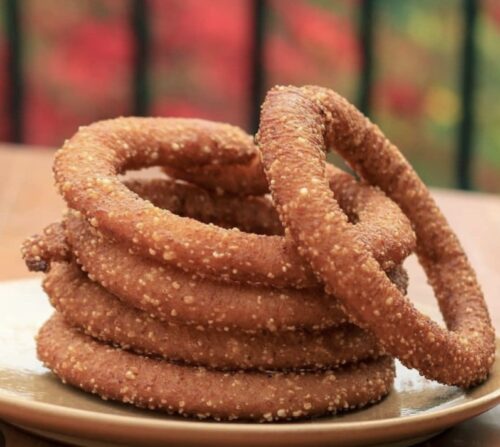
<point>246,179</point>
<point>382,226</point>
<point>86,171</point>
<point>180,277</point>
<point>195,391</point>
<point>162,290</point>
<point>39,250</point>
<point>252,214</point>
<point>172,295</point>
<point>297,126</point>
<point>88,306</point>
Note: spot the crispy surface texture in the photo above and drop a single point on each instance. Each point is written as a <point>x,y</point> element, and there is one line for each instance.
<point>88,306</point>
<point>119,375</point>
<point>40,250</point>
<point>297,126</point>
<point>250,281</point>
<point>172,295</point>
<point>86,171</point>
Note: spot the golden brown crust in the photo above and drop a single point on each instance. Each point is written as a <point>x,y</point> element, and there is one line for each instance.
<point>297,125</point>
<point>158,385</point>
<point>174,296</point>
<point>169,276</point>
<point>88,306</point>
<point>246,179</point>
<point>39,250</point>
<point>382,226</point>
<point>161,290</point>
<point>107,148</point>
<point>252,214</point>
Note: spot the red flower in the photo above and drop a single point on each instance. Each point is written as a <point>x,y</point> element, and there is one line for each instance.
<point>92,58</point>
<point>288,63</point>
<point>48,122</point>
<point>202,51</point>
<point>327,36</point>
<point>181,108</point>
<point>400,97</point>
<point>492,7</point>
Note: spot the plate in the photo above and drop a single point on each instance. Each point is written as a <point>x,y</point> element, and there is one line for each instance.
<point>33,399</point>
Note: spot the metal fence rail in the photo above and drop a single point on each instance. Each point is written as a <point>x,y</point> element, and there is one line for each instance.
<point>366,28</point>
<point>139,20</point>
<point>140,88</point>
<point>465,132</point>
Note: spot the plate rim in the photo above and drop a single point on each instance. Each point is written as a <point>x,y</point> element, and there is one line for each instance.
<point>13,407</point>
<point>479,403</point>
<point>75,421</point>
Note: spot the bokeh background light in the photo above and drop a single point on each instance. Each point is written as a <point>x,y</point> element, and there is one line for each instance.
<point>78,57</point>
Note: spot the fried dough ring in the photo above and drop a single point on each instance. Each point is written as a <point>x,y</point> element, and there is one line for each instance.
<point>246,179</point>
<point>88,306</point>
<point>172,295</point>
<point>377,219</point>
<point>158,385</point>
<point>297,126</point>
<point>251,214</point>
<point>86,171</point>
<point>162,291</point>
<point>39,250</point>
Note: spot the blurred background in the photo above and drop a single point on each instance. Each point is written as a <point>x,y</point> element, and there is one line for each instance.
<point>427,72</point>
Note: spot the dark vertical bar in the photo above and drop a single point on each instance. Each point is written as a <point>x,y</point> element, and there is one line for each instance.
<point>469,62</point>
<point>257,66</point>
<point>366,34</point>
<point>141,57</point>
<point>15,89</point>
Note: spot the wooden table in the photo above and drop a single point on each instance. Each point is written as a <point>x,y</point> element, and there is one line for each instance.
<point>28,201</point>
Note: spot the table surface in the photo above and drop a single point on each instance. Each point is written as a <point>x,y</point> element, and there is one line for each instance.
<point>28,201</point>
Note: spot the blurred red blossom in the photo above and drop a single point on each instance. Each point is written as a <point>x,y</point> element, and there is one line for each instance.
<point>288,62</point>
<point>45,118</point>
<point>90,58</point>
<point>201,50</point>
<point>492,7</point>
<point>323,34</point>
<point>79,62</point>
<point>182,108</point>
<point>399,97</point>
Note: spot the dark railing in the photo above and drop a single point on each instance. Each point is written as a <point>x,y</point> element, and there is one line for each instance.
<point>466,129</point>
<point>366,42</point>
<point>139,22</point>
<point>257,62</point>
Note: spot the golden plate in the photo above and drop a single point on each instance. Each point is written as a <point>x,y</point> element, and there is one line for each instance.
<point>32,398</point>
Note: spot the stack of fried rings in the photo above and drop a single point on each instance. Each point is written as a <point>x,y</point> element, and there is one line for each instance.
<point>298,126</point>
<point>176,324</point>
<point>155,268</point>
